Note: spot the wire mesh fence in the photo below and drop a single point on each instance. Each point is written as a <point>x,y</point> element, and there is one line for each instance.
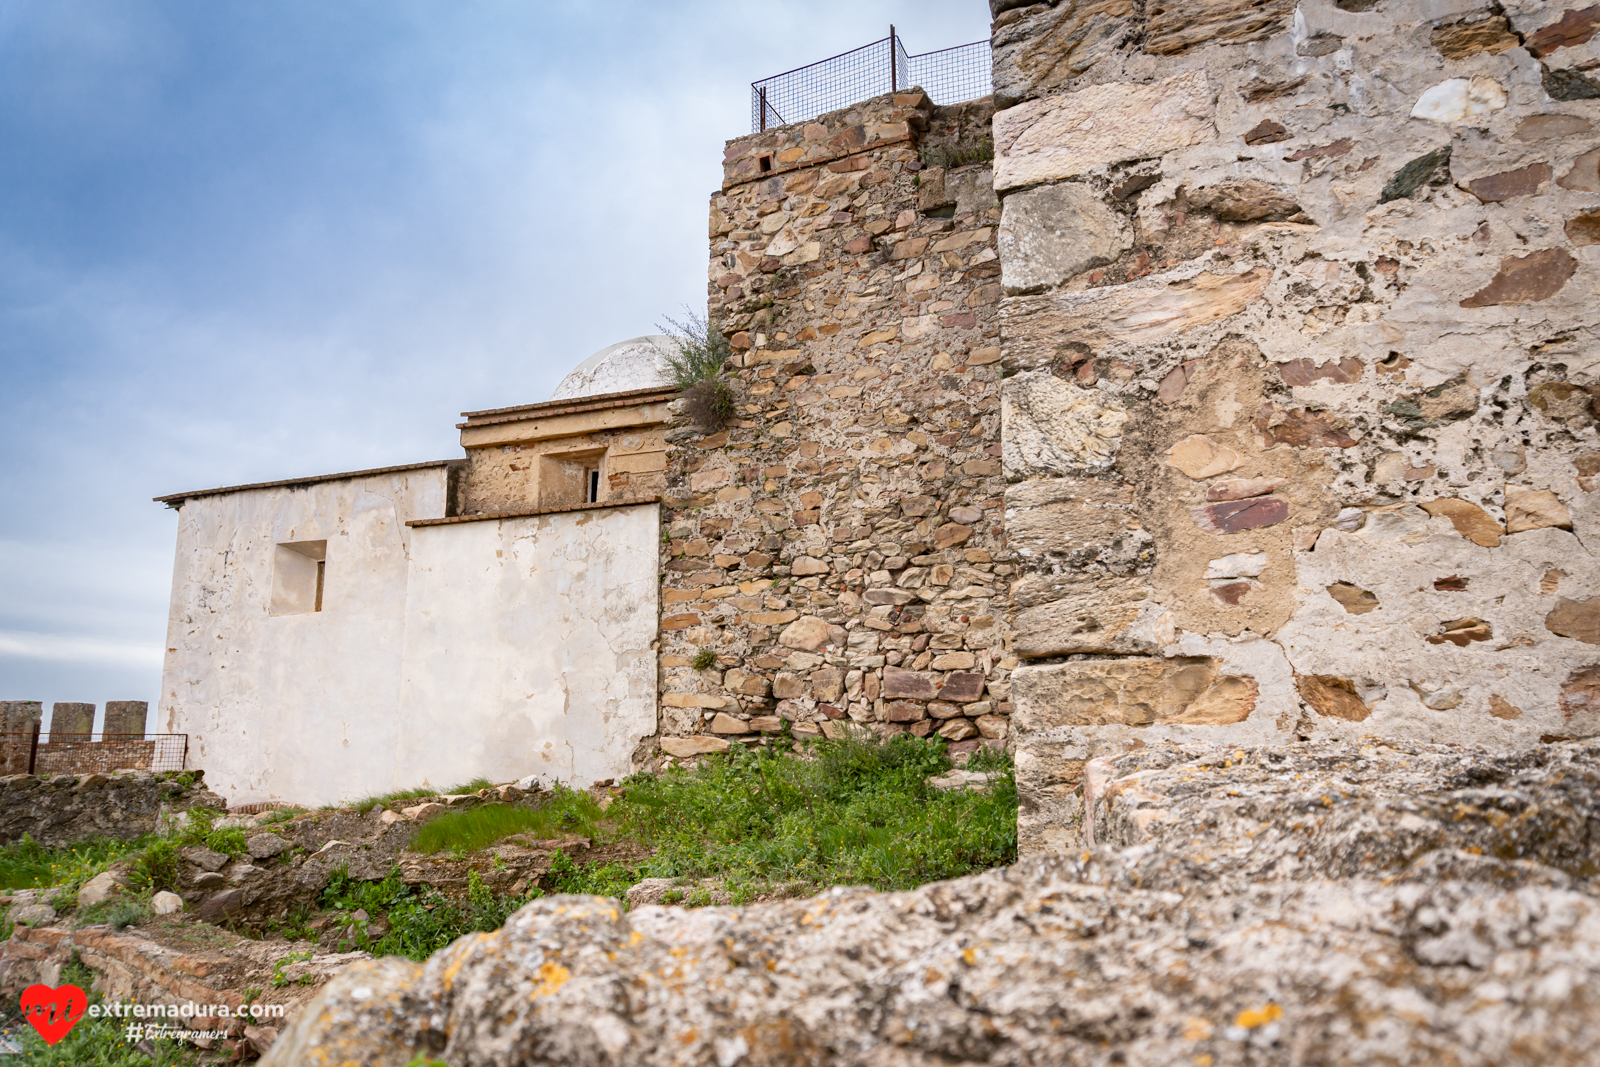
<point>949,76</point>
<point>27,753</point>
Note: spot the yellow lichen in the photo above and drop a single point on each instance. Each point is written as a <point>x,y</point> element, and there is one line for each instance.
<point>552,976</point>
<point>1251,1018</point>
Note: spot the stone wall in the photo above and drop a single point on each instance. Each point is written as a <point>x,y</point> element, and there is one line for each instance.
<point>836,548</point>
<point>1300,330</point>
<point>58,810</point>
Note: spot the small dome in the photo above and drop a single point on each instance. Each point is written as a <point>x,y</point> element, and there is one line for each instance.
<point>633,364</point>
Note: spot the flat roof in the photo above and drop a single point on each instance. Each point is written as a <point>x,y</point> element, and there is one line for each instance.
<point>286,482</point>
<point>599,402</point>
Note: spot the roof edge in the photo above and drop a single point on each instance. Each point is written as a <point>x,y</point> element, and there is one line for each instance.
<point>286,482</point>
<point>626,398</point>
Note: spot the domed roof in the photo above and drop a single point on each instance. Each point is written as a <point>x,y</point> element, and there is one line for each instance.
<point>633,364</point>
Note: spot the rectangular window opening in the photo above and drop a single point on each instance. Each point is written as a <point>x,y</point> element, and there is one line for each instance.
<point>299,570</point>
<point>766,164</point>
<point>593,496</point>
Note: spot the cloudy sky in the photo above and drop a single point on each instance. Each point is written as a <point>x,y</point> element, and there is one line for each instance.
<point>246,241</point>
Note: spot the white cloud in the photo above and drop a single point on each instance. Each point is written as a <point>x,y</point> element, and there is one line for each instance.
<point>67,648</point>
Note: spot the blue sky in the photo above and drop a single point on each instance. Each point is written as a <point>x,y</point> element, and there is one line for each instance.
<point>246,241</point>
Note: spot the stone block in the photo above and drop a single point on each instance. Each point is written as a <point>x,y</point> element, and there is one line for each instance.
<point>71,721</point>
<point>1528,509</point>
<point>901,684</point>
<point>1068,134</point>
<point>1087,613</point>
<point>1052,233</point>
<point>686,747</point>
<point>126,717</point>
<point>1063,516</point>
<point>1046,48</point>
<point>1526,279</point>
<point>1130,691</point>
<point>962,687</point>
<point>1577,619</point>
<point>19,719</point>
<point>1173,27</point>
<point>1051,428</point>
<point>904,711</point>
<point>958,730</point>
<point>1034,328</point>
<point>266,845</point>
<point>723,723</point>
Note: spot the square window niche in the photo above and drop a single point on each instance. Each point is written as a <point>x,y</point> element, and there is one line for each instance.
<point>298,572</point>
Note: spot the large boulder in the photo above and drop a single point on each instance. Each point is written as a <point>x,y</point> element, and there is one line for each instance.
<point>1332,904</point>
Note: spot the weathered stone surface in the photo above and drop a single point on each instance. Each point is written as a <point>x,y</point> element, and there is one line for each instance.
<point>165,903</point>
<point>1569,85</point>
<point>1584,228</point>
<point>1461,632</point>
<point>1236,516</point>
<point>1247,200</point>
<point>1581,692</point>
<point>1458,100</point>
<point>1332,696</point>
<point>58,811</point>
<point>900,684</point>
<point>1173,27</point>
<point>1136,313</point>
<point>126,718</point>
<point>1046,49</point>
<point>1072,518</point>
<point>1054,232</point>
<point>1053,428</point>
<point>1525,279</point>
<point>1086,614</point>
<point>686,747</point>
<point>1241,488</point>
<point>1470,521</point>
<point>1540,127</point>
<point>1458,40</point>
<point>1308,371</point>
<point>1425,169</point>
<point>1354,599</point>
<point>962,687</point>
<point>1528,509</point>
<point>811,633</point>
<point>1068,134</point>
<point>1576,26</point>
<point>1200,457</point>
<point>1266,132</point>
<point>70,720</point>
<point>1577,619</point>
<point>1301,428</point>
<point>1524,181</point>
<point>265,846</point>
<point>723,723</point>
<point>1129,691</point>
<point>100,888</point>
<point>1584,174</point>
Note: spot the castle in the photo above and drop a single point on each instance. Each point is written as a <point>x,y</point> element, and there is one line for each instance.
<point>1228,375</point>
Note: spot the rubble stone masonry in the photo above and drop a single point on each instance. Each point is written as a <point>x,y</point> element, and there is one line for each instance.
<point>838,546</point>
<point>1300,346</point>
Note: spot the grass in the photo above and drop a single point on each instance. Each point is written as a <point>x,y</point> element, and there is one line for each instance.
<point>854,812</point>
<point>420,920</point>
<point>98,1042</point>
<point>26,864</point>
<point>569,812</point>
<point>421,792</point>
<point>694,363</point>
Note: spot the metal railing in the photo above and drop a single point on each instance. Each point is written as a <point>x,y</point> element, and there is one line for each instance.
<point>25,753</point>
<point>948,76</point>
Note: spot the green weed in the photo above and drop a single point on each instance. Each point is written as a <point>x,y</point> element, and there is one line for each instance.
<point>421,792</point>
<point>567,812</point>
<point>421,921</point>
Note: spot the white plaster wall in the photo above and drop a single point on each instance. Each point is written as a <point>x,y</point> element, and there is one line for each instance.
<point>528,647</point>
<point>301,707</point>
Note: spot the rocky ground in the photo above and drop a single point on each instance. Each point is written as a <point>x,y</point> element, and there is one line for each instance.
<point>1324,903</point>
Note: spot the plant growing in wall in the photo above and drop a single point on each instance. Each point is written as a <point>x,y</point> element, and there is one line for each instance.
<point>695,365</point>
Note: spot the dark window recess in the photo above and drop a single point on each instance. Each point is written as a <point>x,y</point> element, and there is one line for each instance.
<point>592,487</point>
<point>766,164</point>
<point>322,570</point>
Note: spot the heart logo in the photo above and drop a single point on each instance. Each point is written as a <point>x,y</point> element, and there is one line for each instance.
<point>54,1011</point>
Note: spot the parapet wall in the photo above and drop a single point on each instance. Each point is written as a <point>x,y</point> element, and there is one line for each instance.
<point>1300,331</point>
<point>837,547</point>
<point>60,809</point>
